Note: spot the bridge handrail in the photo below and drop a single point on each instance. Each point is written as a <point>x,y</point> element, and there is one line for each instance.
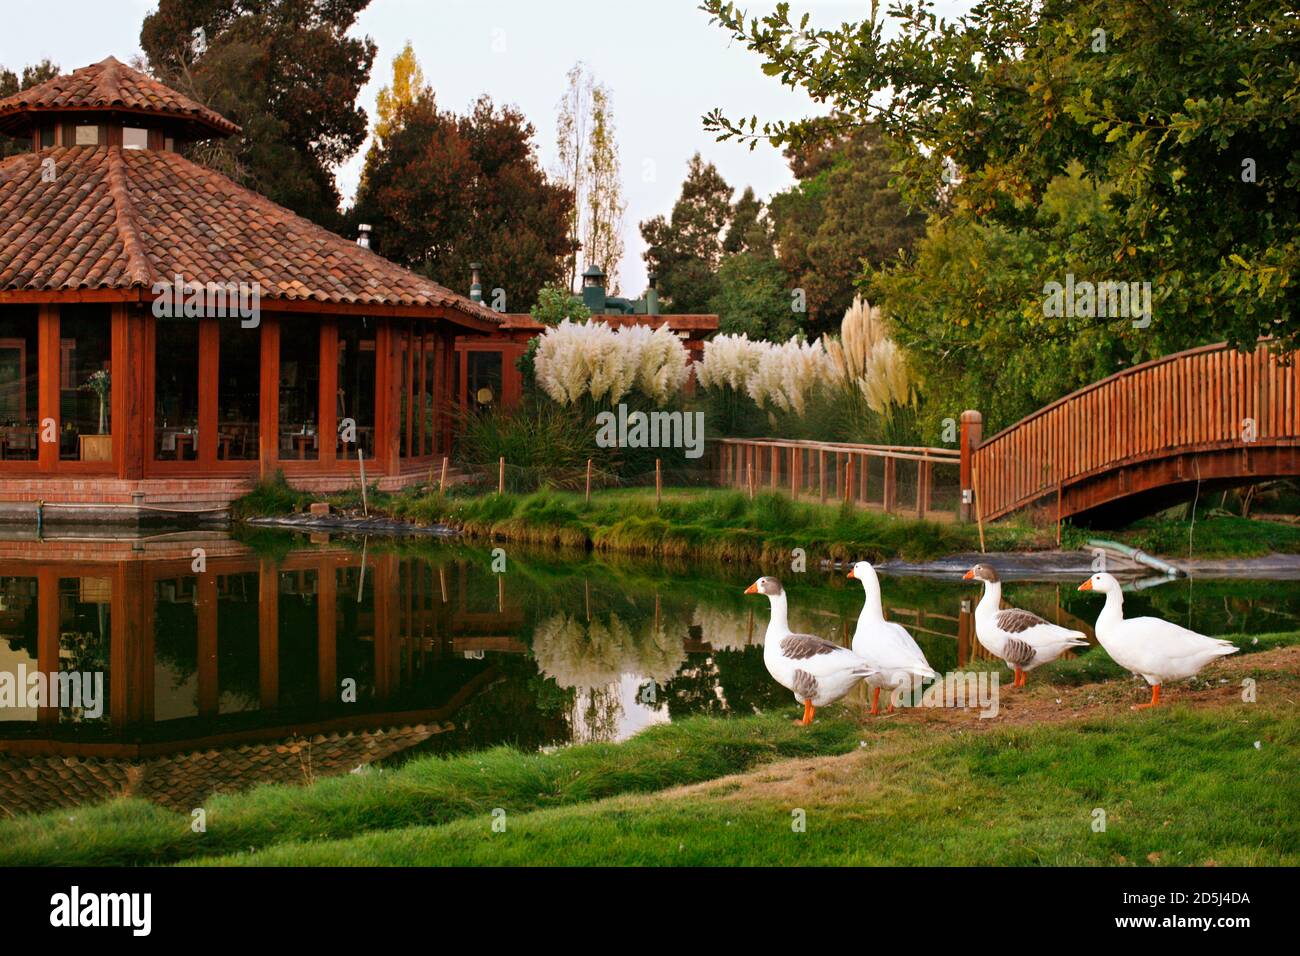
<point>1186,401</point>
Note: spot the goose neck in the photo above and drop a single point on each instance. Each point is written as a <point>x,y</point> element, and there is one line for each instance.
<point>991,599</point>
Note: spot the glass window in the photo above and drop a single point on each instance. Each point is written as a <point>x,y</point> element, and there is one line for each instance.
<point>431,439</point>
<point>47,137</point>
<point>239,391</point>
<point>85,637</point>
<point>169,144</point>
<point>85,383</point>
<point>87,135</point>
<point>484,374</point>
<point>135,138</point>
<point>356,395</point>
<point>176,390</point>
<point>19,391</point>
<point>18,638</point>
<point>299,389</point>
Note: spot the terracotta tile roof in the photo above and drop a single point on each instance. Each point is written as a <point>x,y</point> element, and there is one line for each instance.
<point>109,84</point>
<point>126,219</point>
<point>180,782</point>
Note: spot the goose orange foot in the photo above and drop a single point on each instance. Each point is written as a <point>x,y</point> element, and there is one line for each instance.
<point>1155,699</point>
<point>875,702</point>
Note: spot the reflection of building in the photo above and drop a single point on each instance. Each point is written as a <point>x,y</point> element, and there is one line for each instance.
<point>486,370</point>
<point>280,346</point>
<point>235,675</point>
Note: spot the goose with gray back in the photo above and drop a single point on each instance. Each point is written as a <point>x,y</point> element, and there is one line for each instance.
<point>1020,638</point>
<point>815,670</point>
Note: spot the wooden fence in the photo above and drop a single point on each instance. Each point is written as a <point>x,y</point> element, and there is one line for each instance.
<point>899,480</point>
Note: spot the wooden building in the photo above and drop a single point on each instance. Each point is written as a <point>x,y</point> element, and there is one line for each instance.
<point>167,336</point>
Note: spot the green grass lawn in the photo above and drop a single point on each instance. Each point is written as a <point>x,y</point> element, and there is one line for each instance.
<point>1178,786</point>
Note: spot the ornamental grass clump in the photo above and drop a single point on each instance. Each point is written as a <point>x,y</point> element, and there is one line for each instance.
<point>592,361</point>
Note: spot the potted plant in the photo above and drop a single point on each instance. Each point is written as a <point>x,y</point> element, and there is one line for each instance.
<point>98,447</point>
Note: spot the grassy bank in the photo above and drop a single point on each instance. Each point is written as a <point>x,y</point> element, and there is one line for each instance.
<point>425,790</point>
<point>1177,788</point>
<point>692,523</point>
<point>726,525</point>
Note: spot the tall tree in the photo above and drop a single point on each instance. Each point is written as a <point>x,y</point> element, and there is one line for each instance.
<point>841,217</point>
<point>443,190</point>
<point>685,250</point>
<point>11,83</point>
<point>589,165</point>
<point>749,230</point>
<point>602,235</point>
<point>287,72</point>
<point>1185,109</point>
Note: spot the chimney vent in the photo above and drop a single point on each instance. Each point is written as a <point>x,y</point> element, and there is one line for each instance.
<point>363,235</point>
<point>475,286</point>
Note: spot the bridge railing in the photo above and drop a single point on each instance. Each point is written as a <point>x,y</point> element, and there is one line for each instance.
<point>1199,400</point>
<point>919,481</point>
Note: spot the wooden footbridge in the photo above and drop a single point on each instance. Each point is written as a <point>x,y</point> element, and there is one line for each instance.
<point>1142,439</point>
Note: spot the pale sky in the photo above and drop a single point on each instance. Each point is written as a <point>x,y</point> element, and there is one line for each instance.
<point>664,64</point>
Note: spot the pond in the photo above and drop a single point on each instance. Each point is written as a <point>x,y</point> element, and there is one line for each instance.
<point>212,664</point>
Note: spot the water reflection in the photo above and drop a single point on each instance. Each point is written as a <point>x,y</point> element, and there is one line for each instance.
<point>229,663</point>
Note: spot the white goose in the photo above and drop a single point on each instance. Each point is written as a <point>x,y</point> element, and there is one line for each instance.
<point>1021,638</point>
<point>885,645</point>
<point>816,670</point>
<point>1152,648</point>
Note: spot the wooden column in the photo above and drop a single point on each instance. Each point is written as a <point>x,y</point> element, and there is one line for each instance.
<point>132,629</point>
<point>328,413</point>
<point>269,404</point>
<point>47,636</point>
<point>129,400</point>
<point>48,388</point>
<point>209,371</point>
<point>268,634</point>
<point>205,586</point>
<point>326,632</point>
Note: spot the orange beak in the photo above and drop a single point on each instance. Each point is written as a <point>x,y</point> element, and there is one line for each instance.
<point>969,575</point>
<point>752,589</point>
<point>1086,585</point>
<point>851,575</point>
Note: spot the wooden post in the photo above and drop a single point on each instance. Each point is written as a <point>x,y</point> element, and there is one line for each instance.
<point>776,466</point>
<point>972,431</point>
<point>442,482</point>
<point>922,483</point>
<point>821,473</point>
<point>1058,514</point>
<point>659,481</point>
<point>588,481</point>
<point>979,507</point>
<point>501,476</point>
<point>749,480</point>
<point>361,460</point>
<point>891,483</point>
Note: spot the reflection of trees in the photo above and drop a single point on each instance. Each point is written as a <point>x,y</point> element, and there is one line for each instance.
<point>590,655</point>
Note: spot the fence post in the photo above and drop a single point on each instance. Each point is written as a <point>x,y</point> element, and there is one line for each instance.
<point>501,476</point>
<point>821,473</point>
<point>588,481</point>
<point>659,481</point>
<point>848,477</point>
<point>891,483</point>
<point>442,482</point>
<point>972,431</point>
